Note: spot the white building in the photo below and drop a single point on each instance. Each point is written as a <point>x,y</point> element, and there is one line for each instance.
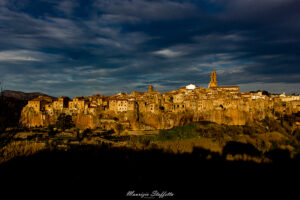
<point>190,87</point>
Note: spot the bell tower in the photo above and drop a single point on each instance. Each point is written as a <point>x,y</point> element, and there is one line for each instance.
<point>213,80</point>
<point>151,88</point>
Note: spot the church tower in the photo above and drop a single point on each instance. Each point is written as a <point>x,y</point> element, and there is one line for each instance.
<point>213,80</point>
<point>151,88</point>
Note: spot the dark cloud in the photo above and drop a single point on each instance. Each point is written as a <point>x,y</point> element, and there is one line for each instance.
<point>85,47</point>
<point>148,10</point>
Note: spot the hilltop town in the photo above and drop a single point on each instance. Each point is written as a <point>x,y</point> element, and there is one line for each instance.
<point>154,110</point>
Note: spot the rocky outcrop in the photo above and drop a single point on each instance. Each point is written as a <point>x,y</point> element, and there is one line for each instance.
<point>149,120</point>
<point>31,118</point>
<point>222,110</point>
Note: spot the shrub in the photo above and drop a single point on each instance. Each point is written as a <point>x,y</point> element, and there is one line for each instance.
<point>296,134</point>
<point>180,132</point>
<point>118,128</point>
<point>165,135</point>
<point>64,122</point>
<point>237,148</point>
<point>87,132</point>
<point>20,148</point>
<point>278,155</point>
<point>146,142</point>
<point>50,130</point>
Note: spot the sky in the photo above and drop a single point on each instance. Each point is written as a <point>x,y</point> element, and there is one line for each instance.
<point>86,47</point>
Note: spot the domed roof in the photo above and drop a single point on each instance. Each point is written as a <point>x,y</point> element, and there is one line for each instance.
<point>190,87</point>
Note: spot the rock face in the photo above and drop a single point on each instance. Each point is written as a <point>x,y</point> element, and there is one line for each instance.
<point>31,118</point>
<point>153,110</point>
<point>145,120</point>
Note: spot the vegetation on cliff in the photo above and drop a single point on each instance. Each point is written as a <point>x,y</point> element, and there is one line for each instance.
<point>264,136</point>
<point>64,122</point>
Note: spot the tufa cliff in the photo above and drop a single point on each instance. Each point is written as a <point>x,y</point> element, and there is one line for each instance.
<point>154,110</point>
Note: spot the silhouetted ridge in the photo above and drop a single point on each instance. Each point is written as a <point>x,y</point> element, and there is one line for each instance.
<point>22,95</point>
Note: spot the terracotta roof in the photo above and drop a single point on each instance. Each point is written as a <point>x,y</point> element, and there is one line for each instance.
<point>227,86</point>
<point>42,98</point>
<point>96,95</point>
<point>81,98</point>
<point>136,92</point>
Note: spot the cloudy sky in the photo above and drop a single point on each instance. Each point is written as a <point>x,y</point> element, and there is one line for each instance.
<point>84,47</point>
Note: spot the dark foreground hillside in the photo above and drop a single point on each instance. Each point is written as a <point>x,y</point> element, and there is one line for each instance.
<point>102,172</point>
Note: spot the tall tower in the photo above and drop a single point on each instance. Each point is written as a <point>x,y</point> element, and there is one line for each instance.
<point>151,88</point>
<point>213,79</point>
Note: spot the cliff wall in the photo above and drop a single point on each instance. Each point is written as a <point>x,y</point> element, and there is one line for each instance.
<point>156,111</point>
<point>150,120</point>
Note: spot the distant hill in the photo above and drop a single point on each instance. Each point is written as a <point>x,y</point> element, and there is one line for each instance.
<point>12,104</point>
<point>22,95</point>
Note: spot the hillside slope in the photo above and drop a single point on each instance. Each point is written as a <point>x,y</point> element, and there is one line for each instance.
<point>18,95</point>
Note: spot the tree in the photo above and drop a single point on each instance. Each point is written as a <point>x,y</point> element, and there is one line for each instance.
<point>118,128</point>
<point>50,129</point>
<point>264,92</point>
<point>64,121</point>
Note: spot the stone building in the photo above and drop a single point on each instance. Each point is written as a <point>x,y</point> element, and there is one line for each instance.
<point>190,87</point>
<point>131,105</point>
<point>61,103</point>
<point>96,100</point>
<point>112,105</point>
<point>229,88</point>
<point>152,107</point>
<point>178,98</point>
<point>39,103</point>
<point>122,105</point>
<point>77,104</point>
